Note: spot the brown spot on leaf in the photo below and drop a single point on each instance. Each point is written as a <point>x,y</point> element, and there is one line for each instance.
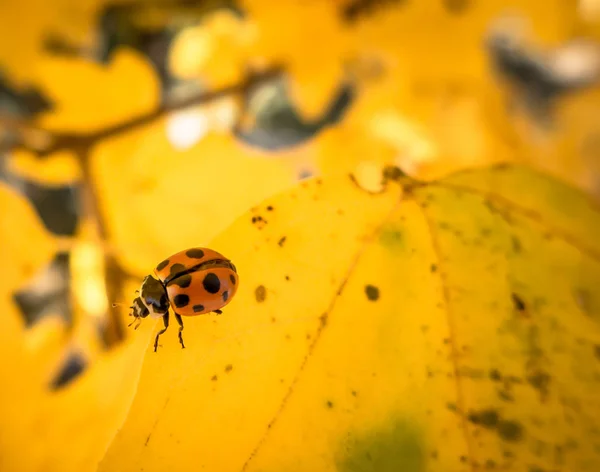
<point>495,375</point>
<point>518,302</point>
<point>281,241</point>
<point>597,351</point>
<point>540,380</point>
<point>433,268</point>
<point>228,368</point>
<point>260,293</point>
<point>214,378</point>
<point>329,404</point>
<point>372,292</point>
<point>487,418</point>
<point>259,221</point>
<point>510,430</point>
<point>270,208</point>
<point>505,395</point>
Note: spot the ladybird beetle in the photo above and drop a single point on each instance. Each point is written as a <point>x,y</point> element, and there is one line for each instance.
<point>192,282</point>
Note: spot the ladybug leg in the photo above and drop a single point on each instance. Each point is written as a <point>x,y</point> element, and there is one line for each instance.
<point>180,321</point>
<point>166,322</point>
<point>218,312</point>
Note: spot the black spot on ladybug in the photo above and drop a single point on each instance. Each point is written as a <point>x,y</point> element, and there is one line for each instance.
<point>183,281</point>
<point>372,292</point>
<point>198,308</point>
<point>260,293</point>
<point>518,302</point>
<point>195,253</point>
<point>211,283</point>
<point>225,295</point>
<point>232,278</point>
<point>181,300</point>
<point>162,265</point>
<point>177,268</point>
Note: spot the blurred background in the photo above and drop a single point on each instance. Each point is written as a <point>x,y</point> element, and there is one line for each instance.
<point>135,128</point>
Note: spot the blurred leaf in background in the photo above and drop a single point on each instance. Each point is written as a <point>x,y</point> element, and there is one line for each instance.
<point>379,319</point>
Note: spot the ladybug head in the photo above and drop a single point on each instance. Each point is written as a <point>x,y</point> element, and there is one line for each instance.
<point>138,308</point>
<point>154,298</point>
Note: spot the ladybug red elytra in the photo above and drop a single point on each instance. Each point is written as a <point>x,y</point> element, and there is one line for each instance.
<point>191,282</point>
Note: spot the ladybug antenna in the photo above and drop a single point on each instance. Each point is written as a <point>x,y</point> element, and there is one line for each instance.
<point>117,304</point>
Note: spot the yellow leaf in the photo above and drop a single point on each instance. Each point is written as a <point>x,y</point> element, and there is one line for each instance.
<point>25,244</point>
<point>445,326</point>
<point>29,23</point>
<point>60,168</point>
<point>177,198</point>
<point>90,96</point>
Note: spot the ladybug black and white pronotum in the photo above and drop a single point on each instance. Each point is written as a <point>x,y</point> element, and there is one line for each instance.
<point>191,282</point>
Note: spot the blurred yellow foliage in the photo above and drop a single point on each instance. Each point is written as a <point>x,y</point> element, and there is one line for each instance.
<point>423,303</point>
<point>27,25</point>
<point>216,49</point>
<point>61,168</point>
<point>26,245</point>
<point>67,430</point>
<point>125,88</point>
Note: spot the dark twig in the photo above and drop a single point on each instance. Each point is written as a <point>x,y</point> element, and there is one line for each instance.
<point>59,141</point>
